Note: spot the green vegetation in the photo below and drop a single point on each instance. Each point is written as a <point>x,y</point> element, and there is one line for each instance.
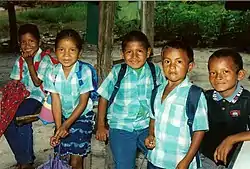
<point>202,24</point>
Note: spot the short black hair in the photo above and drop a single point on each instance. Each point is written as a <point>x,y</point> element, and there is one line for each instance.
<point>227,52</point>
<point>29,28</point>
<point>69,33</point>
<point>135,36</point>
<point>178,44</point>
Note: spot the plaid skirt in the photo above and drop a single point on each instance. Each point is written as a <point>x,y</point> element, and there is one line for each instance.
<point>78,142</point>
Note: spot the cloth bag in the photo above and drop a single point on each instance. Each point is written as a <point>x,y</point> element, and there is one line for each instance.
<point>55,163</point>
<point>46,115</point>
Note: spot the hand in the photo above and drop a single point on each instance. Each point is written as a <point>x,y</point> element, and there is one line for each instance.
<point>28,56</point>
<point>223,149</point>
<point>183,164</point>
<point>102,133</point>
<point>150,142</point>
<point>61,132</point>
<point>53,141</point>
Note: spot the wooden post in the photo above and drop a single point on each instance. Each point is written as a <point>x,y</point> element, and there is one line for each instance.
<point>105,38</point>
<point>147,20</point>
<point>13,27</point>
<point>104,57</point>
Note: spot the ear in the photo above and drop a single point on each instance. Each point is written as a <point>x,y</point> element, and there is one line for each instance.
<point>149,52</point>
<point>241,74</point>
<point>191,66</point>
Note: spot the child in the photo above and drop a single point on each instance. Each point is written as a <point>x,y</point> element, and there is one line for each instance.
<point>26,69</point>
<point>71,105</point>
<point>128,115</point>
<point>228,109</point>
<point>169,136</point>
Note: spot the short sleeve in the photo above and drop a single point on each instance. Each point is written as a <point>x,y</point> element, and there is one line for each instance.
<point>87,81</point>
<point>44,66</point>
<point>49,80</point>
<point>106,88</point>
<point>15,73</point>
<point>201,117</point>
<point>159,76</point>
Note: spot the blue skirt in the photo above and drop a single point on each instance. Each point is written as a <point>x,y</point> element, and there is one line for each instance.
<point>78,142</point>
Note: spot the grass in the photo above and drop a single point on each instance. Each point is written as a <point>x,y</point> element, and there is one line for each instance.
<point>51,19</point>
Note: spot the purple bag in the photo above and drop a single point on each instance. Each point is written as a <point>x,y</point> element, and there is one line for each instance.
<point>55,163</point>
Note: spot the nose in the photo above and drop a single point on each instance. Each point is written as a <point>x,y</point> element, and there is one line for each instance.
<point>219,76</point>
<point>66,53</point>
<point>172,66</point>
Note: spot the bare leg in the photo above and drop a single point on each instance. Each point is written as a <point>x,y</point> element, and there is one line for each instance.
<point>76,162</point>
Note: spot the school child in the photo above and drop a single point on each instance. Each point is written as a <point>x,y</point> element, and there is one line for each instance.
<point>169,136</point>
<point>26,69</point>
<point>228,109</point>
<point>71,104</point>
<point>128,112</point>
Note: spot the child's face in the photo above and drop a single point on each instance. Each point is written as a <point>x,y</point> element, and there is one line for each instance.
<point>223,75</point>
<point>176,64</point>
<point>67,52</point>
<point>28,43</point>
<point>135,54</point>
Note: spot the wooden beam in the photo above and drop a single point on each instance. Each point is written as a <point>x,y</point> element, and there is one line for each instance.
<point>105,38</point>
<point>13,45</point>
<point>147,20</point>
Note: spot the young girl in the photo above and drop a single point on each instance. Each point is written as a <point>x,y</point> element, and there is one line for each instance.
<point>26,69</point>
<point>71,105</point>
<point>128,115</point>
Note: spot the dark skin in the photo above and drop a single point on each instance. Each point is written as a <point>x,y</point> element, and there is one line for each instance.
<point>102,131</point>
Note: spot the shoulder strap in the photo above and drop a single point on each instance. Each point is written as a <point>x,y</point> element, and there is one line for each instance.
<point>118,83</point>
<point>154,91</point>
<point>79,73</point>
<point>191,107</point>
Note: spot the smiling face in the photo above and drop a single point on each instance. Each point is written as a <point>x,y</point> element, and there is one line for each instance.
<point>223,75</point>
<point>67,52</point>
<point>175,64</point>
<point>28,43</point>
<point>135,54</point>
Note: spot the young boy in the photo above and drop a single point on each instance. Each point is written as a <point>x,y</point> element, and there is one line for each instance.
<point>228,109</point>
<point>169,136</point>
<point>128,115</point>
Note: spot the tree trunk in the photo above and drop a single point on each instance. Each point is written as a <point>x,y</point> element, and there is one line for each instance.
<point>147,20</point>
<point>13,45</point>
<point>105,38</point>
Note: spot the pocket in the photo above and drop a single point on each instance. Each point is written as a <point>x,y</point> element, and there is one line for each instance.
<point>176,114</point>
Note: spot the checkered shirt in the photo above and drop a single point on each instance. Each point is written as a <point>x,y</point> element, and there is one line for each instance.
<point>171,129</point>
<point>69,89</point>
<point>131,106</point>
<point>35,92</point>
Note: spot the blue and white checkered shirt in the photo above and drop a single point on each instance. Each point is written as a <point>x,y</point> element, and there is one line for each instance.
<point>171,129</point>
<point>131,106</point>
<point>35,92</point>
<point>69,88</point>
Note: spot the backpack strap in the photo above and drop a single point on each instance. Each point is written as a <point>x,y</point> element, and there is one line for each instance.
<point>154,91</point>
<point>79,73</point>
<point>118,83</point>
<point>191,107</point>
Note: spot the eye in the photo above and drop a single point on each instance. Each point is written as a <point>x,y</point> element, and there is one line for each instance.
<point>72,49</point>
<point>225,71</point>
<point>166,61</point>
<point>212,73</point>
<point>179,61</point>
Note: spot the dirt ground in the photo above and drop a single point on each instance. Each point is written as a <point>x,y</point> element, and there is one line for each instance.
<point>199,76</point>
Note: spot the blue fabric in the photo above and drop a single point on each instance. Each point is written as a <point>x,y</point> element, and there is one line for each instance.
<point>20,138</point>
<point>78,140</point>
<point>124,146</point>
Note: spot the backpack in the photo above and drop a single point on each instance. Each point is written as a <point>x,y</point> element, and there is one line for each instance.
<point>120,77</point>
<point>191,107</point>
<point>46,115</point>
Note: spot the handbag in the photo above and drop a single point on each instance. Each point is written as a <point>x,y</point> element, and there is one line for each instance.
<point>55,163</point>
<point>46,115</point>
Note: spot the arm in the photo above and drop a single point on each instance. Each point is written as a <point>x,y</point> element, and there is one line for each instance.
<point>195,144</point>
<point>56,109</point>
<point>62,131</point>
<point>150,140</point>
<point>102,131</point>
<point>29,57</point>
<point>225,147</point>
